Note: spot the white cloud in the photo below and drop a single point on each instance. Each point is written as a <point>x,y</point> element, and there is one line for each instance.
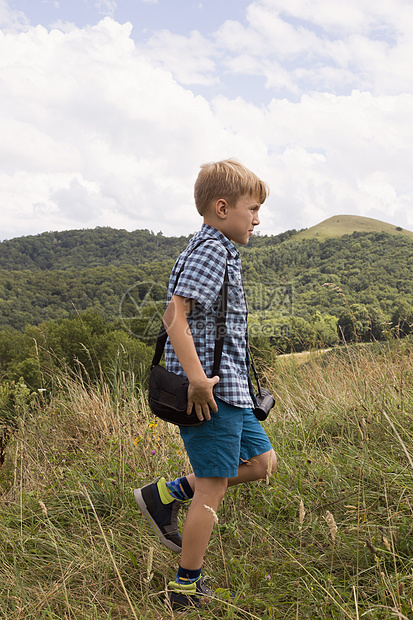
<point>86,108</point>
<point>327,154</point>
<point>324,45</point>
<point>346,16</point>
<point>106,7</point>
<point>11,21</point>
<point>97,130</point>
<point>299,46</point>
<point>190,59</point>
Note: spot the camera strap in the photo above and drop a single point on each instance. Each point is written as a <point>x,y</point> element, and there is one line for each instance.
<point>254,370</point>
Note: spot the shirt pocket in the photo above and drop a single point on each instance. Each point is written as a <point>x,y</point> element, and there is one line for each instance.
<point>235,292</point>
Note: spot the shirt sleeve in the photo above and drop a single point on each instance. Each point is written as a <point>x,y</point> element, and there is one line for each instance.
<point>203,274</point>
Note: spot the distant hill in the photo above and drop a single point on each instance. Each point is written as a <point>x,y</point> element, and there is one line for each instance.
<point>53,275</point>
<point>340,225</point>
<point>87,248</point>
<point>104,246</point>
<point>101,247</point>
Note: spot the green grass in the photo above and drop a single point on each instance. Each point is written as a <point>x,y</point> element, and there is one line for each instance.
<point>74,545</point>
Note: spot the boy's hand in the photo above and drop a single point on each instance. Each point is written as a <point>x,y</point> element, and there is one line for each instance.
<point>201,395</point>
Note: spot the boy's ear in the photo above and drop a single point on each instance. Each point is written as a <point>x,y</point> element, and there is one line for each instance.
<point>221,208</point>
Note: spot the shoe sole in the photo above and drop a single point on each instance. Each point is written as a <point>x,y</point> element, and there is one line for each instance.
<point>142,505</point>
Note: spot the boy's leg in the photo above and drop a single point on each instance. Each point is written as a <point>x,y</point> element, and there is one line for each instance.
<point>256,468</point>
<point>209,492</point>
<point>199,521</point>
<point>188,588</point>
<point>161,509</point>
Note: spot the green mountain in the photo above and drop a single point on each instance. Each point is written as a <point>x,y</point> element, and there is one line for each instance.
<point>293,276</point>
<point>87,248</point>
<point>340,225</point>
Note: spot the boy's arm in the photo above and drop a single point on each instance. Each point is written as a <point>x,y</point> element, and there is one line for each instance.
<point>200,387</point>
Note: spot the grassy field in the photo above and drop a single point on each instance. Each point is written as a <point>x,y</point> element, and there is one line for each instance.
<point>329,536</point>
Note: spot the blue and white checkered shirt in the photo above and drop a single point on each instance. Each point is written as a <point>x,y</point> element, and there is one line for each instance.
<point>201,280</point>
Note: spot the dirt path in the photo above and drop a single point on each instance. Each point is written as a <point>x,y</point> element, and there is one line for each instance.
<point>301,358</point>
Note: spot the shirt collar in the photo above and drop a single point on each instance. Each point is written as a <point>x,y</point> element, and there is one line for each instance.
<point>210,231</point>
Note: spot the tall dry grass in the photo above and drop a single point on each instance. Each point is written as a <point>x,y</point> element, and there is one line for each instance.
<point>330,536</point>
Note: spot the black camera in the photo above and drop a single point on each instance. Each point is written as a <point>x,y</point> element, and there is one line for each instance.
<point>264,403</point>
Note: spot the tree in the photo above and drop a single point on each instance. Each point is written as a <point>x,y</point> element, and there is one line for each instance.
<point>402,318</point>
<point>325,330</point>
<point>354,323</point>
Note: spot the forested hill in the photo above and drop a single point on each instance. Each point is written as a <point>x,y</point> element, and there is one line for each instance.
<point>99,247</point>
<point>54,275</point>
<point>79,249</point>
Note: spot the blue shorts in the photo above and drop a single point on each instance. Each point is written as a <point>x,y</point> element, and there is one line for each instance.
<point>221,444</point>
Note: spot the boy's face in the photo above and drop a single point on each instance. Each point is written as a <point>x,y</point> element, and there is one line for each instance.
<point>241,219</point>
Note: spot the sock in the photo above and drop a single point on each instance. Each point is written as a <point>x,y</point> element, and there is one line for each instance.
<point>180,489</point>
<point>185,575</point>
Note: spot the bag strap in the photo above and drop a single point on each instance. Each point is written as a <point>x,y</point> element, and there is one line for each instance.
<point>220,325</point>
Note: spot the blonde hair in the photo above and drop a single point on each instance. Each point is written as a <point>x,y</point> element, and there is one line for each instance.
<point>227,179</point>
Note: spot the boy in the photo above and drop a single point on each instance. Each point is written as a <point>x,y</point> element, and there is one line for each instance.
<point>230,446</point>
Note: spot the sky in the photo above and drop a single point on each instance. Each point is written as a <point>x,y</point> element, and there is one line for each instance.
<point>109,107</point>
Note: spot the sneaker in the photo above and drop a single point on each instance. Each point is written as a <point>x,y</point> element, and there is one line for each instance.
<point>184,595</point>
<point>162,517</point>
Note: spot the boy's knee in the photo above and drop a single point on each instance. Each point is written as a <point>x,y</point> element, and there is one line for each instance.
<point>221,489</point>
<point>215,487</point>
<point>219,486</point>
<point>268,464</point>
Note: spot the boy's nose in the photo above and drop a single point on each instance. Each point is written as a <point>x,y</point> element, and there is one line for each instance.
<point>256,220</point>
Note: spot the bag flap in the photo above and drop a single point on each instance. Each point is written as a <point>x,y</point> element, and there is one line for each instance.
<point>168,388</point>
